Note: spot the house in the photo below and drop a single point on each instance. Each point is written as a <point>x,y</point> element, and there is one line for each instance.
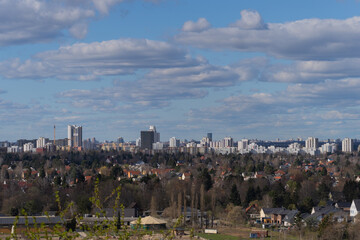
<point>8,221</point>
<point>186,176</point>
<point>131,173</point>
<point>355,207</point>
<point>341,216</point>
<point>318,213</point>
<point>284,217</point>
<point>280,216</point>
<point>289,218</point>
<point>253,212</point>
<point>345,206</point>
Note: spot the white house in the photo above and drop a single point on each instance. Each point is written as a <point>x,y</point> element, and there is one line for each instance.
<point>355,207</point>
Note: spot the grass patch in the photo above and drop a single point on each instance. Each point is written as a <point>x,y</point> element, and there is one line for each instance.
<point>217,236</point>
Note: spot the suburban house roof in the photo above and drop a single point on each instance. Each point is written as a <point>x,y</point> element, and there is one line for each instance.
<point>38,219</point>
<point>343,204</point>
<point>357,204</point>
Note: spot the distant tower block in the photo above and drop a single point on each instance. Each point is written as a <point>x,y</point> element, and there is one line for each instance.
<point>209,136</point>
<point>54,135</point>
<point>74,136</point>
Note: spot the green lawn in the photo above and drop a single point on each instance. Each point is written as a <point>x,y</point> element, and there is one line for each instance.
<point>217,236</point>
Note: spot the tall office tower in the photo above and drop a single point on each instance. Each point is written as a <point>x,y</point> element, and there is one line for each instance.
<point>311,143</point>
<point>156,134</point>
<point>146,139</point>
<point>41,142</point>
<point>347,145</point>
<point>209,136</point>
<point>243,144</point>
<point>120,140</point>
<point>74,136</point>
<point>228,142</point>
<point>173,142</point>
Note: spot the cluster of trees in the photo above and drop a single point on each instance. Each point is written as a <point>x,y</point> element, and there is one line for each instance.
<point>216,187</point>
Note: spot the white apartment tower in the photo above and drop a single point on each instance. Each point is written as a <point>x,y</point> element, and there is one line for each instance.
<point>74,136</point>
<point>41,142</point>
<point>243,144</point>
<point>311,143</point>
<point>228,142</point>
<point>28,147</point>
<point>173,142</point>
<point>347,145</point>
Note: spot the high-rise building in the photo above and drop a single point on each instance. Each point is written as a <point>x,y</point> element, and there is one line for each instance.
<point>28,147</point>
<point>243,144</point>
<point>138,142</point>
<point>205,142</point>
<point>41,142</point>
<point>209,136</point>
<point>311,143</point>
<point>347,145</point>
<point>146,139</point>
<point>156,134</point>
<point>173,142</point>
<point>228,142</point>
<point>74,136</point>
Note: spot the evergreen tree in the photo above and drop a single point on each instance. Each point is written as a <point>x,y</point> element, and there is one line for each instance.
<point>235,196</point>
<point>250,195</point>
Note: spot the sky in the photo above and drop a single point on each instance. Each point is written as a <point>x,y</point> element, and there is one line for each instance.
<point>246,69</point>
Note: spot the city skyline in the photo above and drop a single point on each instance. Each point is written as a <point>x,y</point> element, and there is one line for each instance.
<point>75,139</point>
<point>246,69</point>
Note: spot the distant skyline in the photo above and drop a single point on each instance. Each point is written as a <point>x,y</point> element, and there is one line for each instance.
<point>254,69</point>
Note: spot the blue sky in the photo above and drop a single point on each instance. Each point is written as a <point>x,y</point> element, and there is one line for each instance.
<point>255,69</point>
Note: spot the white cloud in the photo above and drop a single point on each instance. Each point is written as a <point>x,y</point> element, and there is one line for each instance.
<point>313,71</point>
<point>250,20</point>
<point>159,87</point>
<point>79,30</point>
<point>28,21</point>
<point>34,21</point>
<point>307,39</point>
<point>90,61</point>
<point>201,25</point>
<point>104,5</point>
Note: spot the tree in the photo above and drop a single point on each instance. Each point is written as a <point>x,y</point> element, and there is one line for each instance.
<point>323,171</point>
<point>250,195</point>
<point>118,221</point>
<point>351,190</point>
<point>14,211</point>
<point>116,171</point>
<point>325,222</point>
<point>153,206</point>
<point>235,196</point>
<point>236,215</point>
<point>57,181</point>
<point>205,178</point>
<point>71,225</point>
<point>42,173</point>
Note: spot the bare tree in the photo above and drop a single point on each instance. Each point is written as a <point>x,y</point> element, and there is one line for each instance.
<point>192,204</point>
<point>153,206</point>
<point>202,204</point>
<point>179,202</point>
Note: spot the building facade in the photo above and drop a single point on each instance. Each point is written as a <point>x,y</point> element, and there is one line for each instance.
<point>146,139</point>
<point>347,145</point>
<point>74,136</point>
<point>311,143</point>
